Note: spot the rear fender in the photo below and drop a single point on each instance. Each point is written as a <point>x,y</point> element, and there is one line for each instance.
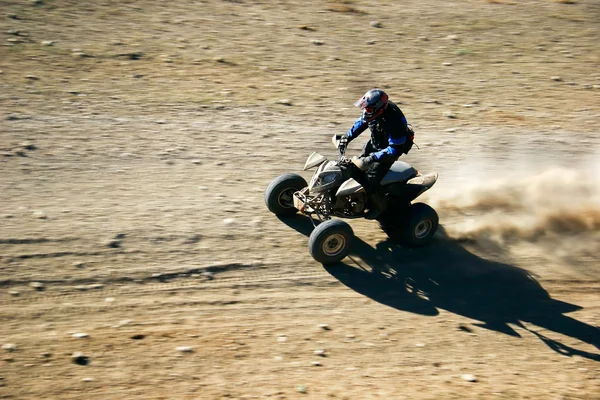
<point>421,183</point>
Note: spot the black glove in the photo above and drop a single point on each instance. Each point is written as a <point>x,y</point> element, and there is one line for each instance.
<point>368,160</point>
<point>343,144</point>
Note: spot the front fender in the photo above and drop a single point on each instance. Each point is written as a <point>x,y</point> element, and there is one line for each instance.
<point>349,187</point>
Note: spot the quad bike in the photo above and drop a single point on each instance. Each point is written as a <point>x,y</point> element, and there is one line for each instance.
<point>333,192</point>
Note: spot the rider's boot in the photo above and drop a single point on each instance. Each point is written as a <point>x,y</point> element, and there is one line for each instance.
<point>378,206</point>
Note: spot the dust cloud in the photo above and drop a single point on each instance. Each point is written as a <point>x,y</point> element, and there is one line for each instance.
<point>556,203</point>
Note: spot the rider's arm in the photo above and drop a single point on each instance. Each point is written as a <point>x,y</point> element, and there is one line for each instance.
<point>393,150</point>
<point>359,127</point>
<point>396,143</point>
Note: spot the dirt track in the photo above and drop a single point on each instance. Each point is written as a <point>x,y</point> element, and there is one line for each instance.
<point>136,149</point>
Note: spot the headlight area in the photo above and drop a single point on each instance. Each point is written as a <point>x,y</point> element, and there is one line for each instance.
<point>323,181</point>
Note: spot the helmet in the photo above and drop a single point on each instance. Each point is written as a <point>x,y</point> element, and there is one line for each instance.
<point>372,103</point>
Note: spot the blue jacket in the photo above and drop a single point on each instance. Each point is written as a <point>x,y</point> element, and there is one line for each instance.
<point>389,133</point>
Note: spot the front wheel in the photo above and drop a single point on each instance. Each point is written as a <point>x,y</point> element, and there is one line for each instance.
<point>279,196</point>
<point>421,223</point>
<point>330,242</point>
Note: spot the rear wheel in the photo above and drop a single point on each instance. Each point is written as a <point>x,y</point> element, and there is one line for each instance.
<point>279,196</point>
<point>330,242</point>
<point>421,224</point>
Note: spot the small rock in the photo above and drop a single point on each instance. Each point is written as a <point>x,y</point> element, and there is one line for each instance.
<point>468,378</point>
<point>78,264</point>
<point>48,42</point>
<point>556,78</point>
<point>317,42</point>
<point>10,347</point>
<point>300,388</point>
<point>256,221</point>
<point>320,352</point>
<point>325,327</point>
<point>449,114</point>
<point>197,162</point>
<point>208,275</point>
<point>33,77</point>
<point>80,335</point>
<point>37,2</point>
<point>87,380</point>
<point>39,286</point>
<point>285,102</point>
<point>376,24</point>
<point>139,336</point>
<point>96,286</point>
<point>80,54</point>
<point>135,55</point>
<point>113,243</point>
<point>282,339</point>
<point>185,349</point>
<point>452,37</point>
<point>447,64</point>
<point>45,354</point>
<point>28,146</point>
<point>316,364</point>
<point>40,215</point>
<point>79,358</point>
<point>228,221</point>
<point>109,300</point>
<point>193,239</point>
<point>14,293</point>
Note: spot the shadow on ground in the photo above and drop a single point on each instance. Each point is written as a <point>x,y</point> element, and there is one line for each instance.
<point>445,275</point>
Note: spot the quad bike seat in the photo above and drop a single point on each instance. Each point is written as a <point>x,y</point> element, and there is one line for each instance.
<point>400,172</point>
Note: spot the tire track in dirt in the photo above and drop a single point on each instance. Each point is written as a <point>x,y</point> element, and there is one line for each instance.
<point>61,304</point>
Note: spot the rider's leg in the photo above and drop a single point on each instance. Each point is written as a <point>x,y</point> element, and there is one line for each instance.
<point>374,175</point>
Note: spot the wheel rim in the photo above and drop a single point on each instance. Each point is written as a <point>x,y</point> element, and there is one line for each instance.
<point>423,228</point>
<point>286,198</point>
<point>334,244</point>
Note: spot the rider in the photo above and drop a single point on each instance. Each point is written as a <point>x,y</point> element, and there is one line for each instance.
<point>391,136</point>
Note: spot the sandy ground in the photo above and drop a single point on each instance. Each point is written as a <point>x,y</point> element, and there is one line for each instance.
<point>137,139</point>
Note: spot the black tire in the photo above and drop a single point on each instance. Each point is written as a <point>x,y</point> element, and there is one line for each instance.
<point>279,196</point>
<point>421,224</point>
<point>330,241</point>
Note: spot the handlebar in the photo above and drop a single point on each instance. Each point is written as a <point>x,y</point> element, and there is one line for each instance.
<point>336,142</point>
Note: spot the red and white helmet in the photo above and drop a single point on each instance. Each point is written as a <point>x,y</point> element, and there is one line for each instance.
<point>372,103</point>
